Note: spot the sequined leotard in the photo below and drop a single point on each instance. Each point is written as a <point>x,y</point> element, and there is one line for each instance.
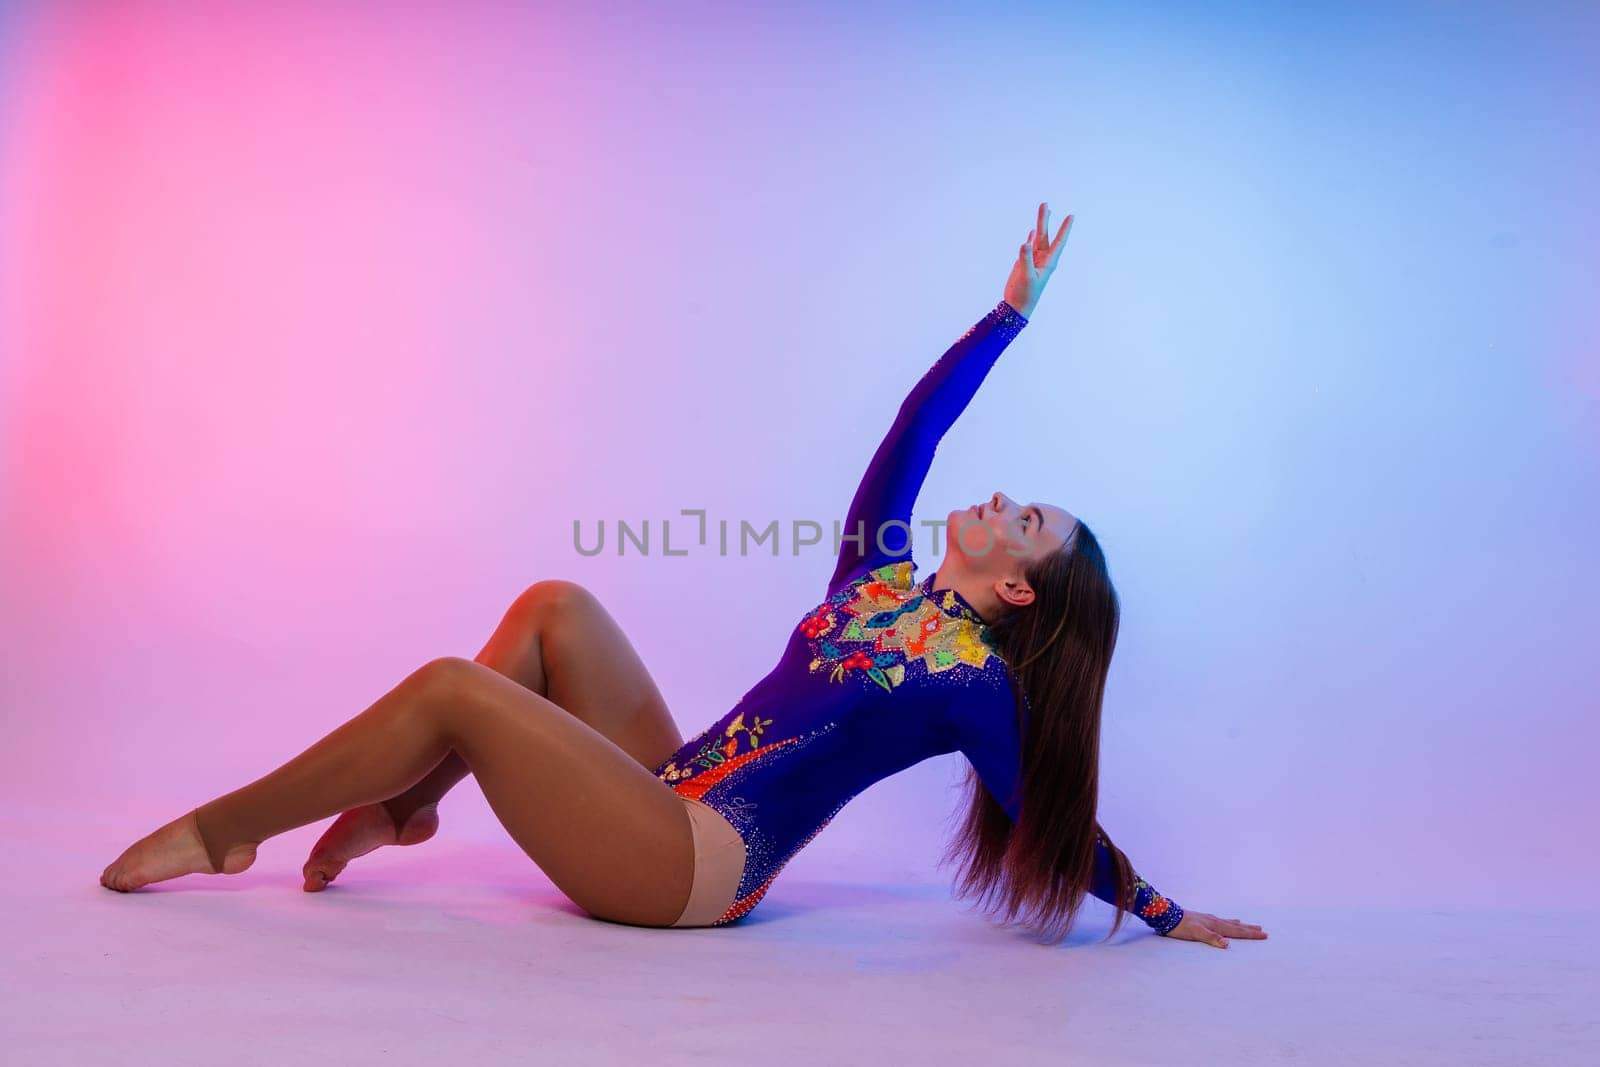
<point>885,673</point>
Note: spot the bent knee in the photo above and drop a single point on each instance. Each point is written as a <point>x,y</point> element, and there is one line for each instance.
<point>554,597</point>
<point>445,677</point>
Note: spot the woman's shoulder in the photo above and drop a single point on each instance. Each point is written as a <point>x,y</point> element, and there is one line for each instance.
<point>988,700</point>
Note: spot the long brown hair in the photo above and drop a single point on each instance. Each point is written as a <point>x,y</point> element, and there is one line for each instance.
<point>1058,650</point>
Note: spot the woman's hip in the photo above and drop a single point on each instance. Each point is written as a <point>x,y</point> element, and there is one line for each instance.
<point>719,859</point>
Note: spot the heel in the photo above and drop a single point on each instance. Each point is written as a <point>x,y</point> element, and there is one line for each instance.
<point>235,859</point>
<point>239,858</point>
<point>419,826</point>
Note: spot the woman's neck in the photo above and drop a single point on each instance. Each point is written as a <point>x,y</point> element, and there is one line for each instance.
<point>974,590</point>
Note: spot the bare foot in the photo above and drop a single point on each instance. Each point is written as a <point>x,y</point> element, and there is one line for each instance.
<point>173,850</point>
<point>360,831</point>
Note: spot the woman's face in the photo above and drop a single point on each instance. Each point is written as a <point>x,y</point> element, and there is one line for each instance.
<point>998,538</point>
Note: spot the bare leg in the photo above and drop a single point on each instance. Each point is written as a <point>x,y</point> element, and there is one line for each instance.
<point>557,640</point>
<point>600,825</point>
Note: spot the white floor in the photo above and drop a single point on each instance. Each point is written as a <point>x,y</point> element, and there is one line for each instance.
<point>462,954</point>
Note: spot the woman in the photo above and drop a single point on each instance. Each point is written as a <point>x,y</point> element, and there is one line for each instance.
<point>1001,653</point>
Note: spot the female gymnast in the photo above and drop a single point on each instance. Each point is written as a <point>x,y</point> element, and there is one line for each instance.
<point>1001,654</point>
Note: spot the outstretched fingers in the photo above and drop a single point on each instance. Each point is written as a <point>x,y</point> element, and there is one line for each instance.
<point>1060,241</point>
<point>1040,250</point>
<point>1239,928</point>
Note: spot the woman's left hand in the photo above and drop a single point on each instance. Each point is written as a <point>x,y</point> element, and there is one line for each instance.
<point>1198,926</point>
<point>1036,260</point>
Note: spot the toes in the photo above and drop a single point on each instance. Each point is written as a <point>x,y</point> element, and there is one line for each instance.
<point>319,873</point>
<point>318,880</point>
<point>112,878</point>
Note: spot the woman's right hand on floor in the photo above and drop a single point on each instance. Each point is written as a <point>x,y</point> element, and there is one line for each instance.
<point>1199,926</point>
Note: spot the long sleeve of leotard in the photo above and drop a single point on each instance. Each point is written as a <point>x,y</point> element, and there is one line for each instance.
<point>895,476</point>
<point>985,732</point>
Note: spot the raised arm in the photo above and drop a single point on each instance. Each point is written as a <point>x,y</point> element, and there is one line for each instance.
<point>984,730</point>
<point>895,476</point>
<point>898,468</point>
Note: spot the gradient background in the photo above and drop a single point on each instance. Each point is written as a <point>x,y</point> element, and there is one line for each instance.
<point>320,324</point>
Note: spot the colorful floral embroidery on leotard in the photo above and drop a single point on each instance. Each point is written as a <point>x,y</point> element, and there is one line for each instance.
<point>1153,908</point>
<point>715,753</point>
<point>697,786</point>
<point>880,622</point>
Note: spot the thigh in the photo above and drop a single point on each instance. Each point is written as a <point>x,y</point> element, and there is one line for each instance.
<point>559,640</point>
<point>603,828</point>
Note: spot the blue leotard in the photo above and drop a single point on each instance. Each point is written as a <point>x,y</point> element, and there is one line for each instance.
<point>885,673</point>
